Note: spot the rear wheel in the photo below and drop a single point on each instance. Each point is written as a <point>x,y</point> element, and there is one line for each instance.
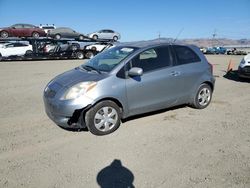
<point>115,38</point>
<point>79,55</point>
<point>95,37</point>
<point>203,96</point>
<point>4,34</point>
<point>35,35</point>
<point>104,118</point>
<point>93,48</point>
<point>1,57</point>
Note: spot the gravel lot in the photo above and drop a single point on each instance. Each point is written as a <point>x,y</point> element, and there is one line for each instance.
<point>181,147</point>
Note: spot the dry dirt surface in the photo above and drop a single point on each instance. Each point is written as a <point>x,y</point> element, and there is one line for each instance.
<point>181,147</point>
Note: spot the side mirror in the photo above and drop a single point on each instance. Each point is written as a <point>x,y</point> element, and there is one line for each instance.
<point>135,71</point>
<point>13,27</point>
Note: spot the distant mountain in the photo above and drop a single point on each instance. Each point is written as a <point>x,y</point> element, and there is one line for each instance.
<point>203,42</point>
<point>206,42</point>
<point>217,42</point>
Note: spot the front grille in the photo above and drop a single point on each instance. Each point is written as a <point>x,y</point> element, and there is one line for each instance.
<point>246,69</point>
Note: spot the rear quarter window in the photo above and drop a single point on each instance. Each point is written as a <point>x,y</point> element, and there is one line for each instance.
<point>185,55</point>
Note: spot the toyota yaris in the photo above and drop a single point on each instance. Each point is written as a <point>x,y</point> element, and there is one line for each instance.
<point>129,79</point>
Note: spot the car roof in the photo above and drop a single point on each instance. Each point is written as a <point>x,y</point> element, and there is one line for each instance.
<point>23,24</point>
<point>151,43</point>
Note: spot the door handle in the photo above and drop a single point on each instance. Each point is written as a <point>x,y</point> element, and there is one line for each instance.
<point>175,73</point>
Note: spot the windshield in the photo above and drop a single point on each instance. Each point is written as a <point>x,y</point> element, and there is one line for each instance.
<point>108,59</point>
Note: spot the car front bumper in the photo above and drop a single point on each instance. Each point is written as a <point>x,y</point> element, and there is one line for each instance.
<point>66,113</point>
<point>244,72</point>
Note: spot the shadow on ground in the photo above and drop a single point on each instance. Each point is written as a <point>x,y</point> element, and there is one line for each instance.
<point>115,176</point>
<point>233,75</point>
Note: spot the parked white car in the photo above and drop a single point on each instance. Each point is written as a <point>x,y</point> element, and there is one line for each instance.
<point>99,46</point>
<point>47,27</point>
<point>244,67</point>
<point>15,49</point>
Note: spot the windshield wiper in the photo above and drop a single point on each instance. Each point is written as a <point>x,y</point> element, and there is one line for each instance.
<point>90,68</point>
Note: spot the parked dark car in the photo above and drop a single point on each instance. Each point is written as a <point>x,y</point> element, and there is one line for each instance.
<point>65,32</point>
<point>235,51</point>
<point>126,80</point>
<point>22,30</point>
<point>215,50</point>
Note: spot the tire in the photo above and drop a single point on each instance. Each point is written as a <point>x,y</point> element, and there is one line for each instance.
<point>28,52</point>
<point>103,118</point>
<point>4,34</point>
<point>93,48</point>
<point>203,97</point>
<point>81,37</point>
<point>1,57</point>
<point>115,38</point>
<point>35,35</point>
<point>89,55</point>
<point>57,36</point>
<point>79,55</point>
<point>95,37</point>
<point>75,47</point>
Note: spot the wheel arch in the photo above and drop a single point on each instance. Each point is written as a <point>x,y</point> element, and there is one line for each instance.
<point>210,84</point>
<point>119,104</point>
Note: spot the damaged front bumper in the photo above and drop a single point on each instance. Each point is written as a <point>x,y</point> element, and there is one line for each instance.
<point>67,113</point>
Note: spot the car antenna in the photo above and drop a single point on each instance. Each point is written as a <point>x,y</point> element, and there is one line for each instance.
<point>178,35</point>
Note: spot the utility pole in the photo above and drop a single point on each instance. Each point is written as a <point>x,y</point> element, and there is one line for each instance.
<point>214,35</point>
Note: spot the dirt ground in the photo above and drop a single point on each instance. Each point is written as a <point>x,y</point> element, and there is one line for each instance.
<point>181,147</point>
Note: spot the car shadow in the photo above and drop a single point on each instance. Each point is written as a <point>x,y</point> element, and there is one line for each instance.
<point>153,113</point>
<point>233,75</point>
<point>74,129</point>
<point>115,175</point>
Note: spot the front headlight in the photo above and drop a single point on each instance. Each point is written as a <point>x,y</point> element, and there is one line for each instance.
<point>78,90</point>
<point>242,62</point>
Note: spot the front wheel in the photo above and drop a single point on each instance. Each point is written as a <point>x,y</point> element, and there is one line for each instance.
<point>104,118</point>
<point>89,55</point>
<point>81,37</point>
<point>28,52</point>
<point>57,36</point>
<point>203,96</point>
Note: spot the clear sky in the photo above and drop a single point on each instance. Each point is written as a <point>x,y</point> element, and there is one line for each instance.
<point>136,19</point>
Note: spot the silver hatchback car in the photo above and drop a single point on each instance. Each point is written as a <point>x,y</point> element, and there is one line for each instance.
<point>126,80</point>
<point>105,34</point>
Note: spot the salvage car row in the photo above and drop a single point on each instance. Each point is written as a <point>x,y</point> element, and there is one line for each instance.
<point>44,48</point>
<point>222,50</point>
<point>29,30</point>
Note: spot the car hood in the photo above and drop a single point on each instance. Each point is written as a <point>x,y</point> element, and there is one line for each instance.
<point>77,75</point>
<point>247,58</point>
